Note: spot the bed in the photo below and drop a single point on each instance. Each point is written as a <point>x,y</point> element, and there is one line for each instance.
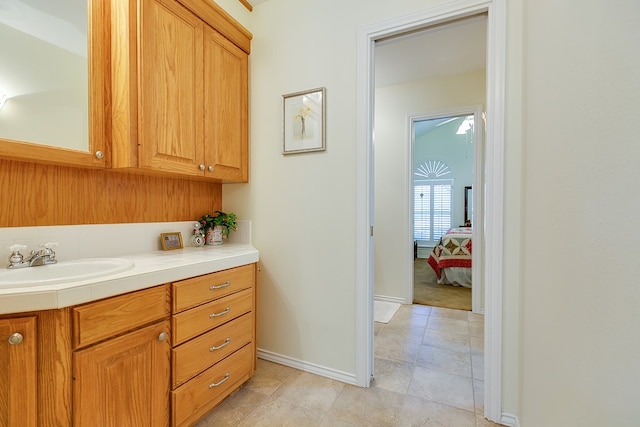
<point>451,257</point>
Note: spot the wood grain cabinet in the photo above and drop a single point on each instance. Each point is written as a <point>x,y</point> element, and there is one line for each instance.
<point>18,375</point>
<point>121,362</point>
<point>214,351</point>
<point>190,106</point>
<point>160,356</point>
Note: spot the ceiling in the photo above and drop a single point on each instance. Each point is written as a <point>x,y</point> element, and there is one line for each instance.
<point>454,48</point>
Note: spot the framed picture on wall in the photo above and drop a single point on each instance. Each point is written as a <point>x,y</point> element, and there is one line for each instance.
<point>303,121</point>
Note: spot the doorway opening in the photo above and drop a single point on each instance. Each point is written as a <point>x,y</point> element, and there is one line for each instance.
<point>446,152</point>
<point>493,188</point>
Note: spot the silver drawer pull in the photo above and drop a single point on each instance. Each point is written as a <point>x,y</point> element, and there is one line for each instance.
<point>226,377</point>
<point>212,315</point>
<point>224,285</point>
<point>218,347</point>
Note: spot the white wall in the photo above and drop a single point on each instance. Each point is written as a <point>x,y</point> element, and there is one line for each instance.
<point>580,291</point>
<point>303,206</point>
<point>570,299</point>
<point>394,104</point>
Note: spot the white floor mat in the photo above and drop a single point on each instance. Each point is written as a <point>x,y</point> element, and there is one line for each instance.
<point>383,311</point>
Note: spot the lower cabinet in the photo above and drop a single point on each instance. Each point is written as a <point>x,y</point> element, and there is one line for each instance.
<point>198,396</point>
<point>121,363</point>
<point>161,356</point>
<point>124,381</point>
<point>18,376</point>
<point>214,353</point>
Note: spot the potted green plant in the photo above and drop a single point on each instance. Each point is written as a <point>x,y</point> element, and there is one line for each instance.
<point>216,227</point>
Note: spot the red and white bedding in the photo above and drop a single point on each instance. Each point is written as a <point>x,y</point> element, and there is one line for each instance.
<point>451,258</point>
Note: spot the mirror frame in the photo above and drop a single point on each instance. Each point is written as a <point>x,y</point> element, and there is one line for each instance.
<point>468,195</point>
<point>99,100</point>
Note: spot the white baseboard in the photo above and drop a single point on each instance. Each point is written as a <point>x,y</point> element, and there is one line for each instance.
<point>509,420</point>
<point>389,299</point>
<point>307,367</point>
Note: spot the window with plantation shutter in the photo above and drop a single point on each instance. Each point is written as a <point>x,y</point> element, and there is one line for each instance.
<point>431,210</point>
<point>431,202</point>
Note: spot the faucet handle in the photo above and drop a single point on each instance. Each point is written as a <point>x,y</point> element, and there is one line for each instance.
<point>17,247</point>
<point>16,257</point>
<point>47,251</point>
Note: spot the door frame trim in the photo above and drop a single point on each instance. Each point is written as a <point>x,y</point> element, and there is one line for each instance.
<point>494,183</point>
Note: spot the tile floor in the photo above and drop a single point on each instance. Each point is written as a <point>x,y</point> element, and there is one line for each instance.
<point>428,372</point>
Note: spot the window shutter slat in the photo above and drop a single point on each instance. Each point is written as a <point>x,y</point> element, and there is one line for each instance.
<point>432,209</point>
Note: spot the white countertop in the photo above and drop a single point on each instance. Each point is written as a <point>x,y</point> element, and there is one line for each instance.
<point>151,269</point>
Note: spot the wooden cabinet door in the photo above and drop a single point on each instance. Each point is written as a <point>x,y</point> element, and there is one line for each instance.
<point>171,84</point>
<point>18,375</point>
<point>124,381</point>
<point>225,108</point>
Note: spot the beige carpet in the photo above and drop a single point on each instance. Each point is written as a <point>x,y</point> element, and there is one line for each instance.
<point>427,292</point>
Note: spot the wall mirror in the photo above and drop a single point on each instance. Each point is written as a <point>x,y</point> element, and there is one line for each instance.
<point>468,205</point>
<point>46,69</point>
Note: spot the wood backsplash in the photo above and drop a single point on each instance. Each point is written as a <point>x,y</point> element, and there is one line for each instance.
<point>39,194</point>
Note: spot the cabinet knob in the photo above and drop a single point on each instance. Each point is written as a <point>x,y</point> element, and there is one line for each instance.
<point>99,154</point>
<point>210,168</point>
<point>162,336</point>
<point>202,167</point>
<point>16,338</point>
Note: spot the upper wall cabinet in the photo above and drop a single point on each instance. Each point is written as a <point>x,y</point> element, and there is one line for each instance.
<point>53,65</point>
<point>180,89</point>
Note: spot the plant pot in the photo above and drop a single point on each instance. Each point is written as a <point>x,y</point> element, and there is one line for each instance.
<point>214,236</point>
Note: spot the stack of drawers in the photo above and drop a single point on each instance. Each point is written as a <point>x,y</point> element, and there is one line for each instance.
<point>213,338</point>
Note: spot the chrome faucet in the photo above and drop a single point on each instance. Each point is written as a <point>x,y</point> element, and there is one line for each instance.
<point>44,256</point>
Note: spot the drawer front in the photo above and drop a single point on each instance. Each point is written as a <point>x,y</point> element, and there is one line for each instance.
<point>198,354</point>
<point>194,322</point>
<point>199,290</point>
<point>195,398</point>
<point>102,319</point>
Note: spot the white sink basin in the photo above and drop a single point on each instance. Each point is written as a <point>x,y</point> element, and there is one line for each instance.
<point>63,271</point>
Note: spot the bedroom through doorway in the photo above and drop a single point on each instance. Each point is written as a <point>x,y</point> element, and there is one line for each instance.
<point>442,206</point>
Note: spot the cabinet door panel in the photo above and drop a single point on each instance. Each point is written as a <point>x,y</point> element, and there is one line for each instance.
<point>226,108</point>
<point>18,377</point>
<point>124,381</point>
<point>171,82</point>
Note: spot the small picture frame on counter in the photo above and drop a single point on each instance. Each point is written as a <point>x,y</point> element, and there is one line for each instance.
<point>172,240</point>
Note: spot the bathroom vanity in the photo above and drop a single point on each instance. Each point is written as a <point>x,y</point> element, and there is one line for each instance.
<point>159,344</point>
